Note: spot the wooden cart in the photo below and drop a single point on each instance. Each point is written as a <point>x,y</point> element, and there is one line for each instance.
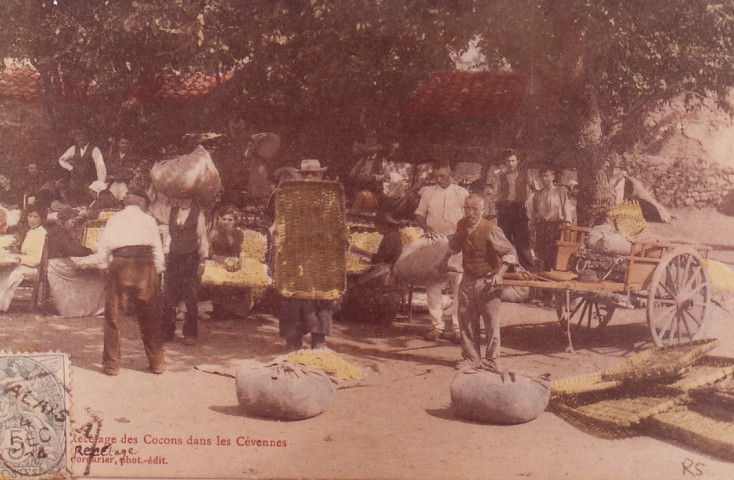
<point>669,279</point>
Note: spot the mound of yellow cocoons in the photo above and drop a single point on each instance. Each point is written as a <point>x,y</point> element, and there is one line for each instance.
<point>325,361</point>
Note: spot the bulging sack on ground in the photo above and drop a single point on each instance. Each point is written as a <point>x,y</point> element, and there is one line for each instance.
<point>283,391</point>
<point>418,262</point>
<point>488,397</point>
<point>192,175</point>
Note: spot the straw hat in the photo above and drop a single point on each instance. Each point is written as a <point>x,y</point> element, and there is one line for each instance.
<point>311,165</point>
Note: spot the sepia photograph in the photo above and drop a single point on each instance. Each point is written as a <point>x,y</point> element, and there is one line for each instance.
<point>367,239</point>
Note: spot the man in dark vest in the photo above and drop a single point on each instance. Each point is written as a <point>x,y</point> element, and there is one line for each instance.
<point>86,164</point>
<point>189,247</point>
<point>512,217</point>
<point>487,255</point>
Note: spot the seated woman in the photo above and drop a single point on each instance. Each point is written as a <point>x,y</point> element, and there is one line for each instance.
<point>225,242</point>
<point>31,251</point>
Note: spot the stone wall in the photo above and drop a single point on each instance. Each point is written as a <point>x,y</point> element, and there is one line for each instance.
<point>687,156</point>
<point>682,182</point>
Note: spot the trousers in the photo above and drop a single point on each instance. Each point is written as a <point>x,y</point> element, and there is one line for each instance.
<point>434,301</point>
<point>182,283</point>
<point>545,243</point>
<point>478,299</point>
<point>132,279</point>
<point>513,220</point>
<point>297,317</point>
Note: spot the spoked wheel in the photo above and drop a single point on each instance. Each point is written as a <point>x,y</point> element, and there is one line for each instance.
<point>678,299</point>
<point>583,308</point>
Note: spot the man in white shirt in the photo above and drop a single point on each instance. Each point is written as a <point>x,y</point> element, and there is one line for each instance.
<point>86,164</point>
<point>130,245</point>
<point>440,209</point>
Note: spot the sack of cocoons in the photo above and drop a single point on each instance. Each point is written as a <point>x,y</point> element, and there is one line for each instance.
<point>418,262</point>
<point>283,391</point>
<point>488,397</point>
<point>192,175</point>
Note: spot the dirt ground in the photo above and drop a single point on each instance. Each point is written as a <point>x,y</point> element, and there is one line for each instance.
<point>398,426</point>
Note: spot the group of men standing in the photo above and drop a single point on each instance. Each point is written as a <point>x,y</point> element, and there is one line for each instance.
<point>131,248</point>
<point>482,249</point>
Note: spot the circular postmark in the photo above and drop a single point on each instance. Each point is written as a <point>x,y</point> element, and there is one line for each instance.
<point>33,416</point>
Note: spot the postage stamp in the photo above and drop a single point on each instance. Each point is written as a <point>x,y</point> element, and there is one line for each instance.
<point>34,415</point>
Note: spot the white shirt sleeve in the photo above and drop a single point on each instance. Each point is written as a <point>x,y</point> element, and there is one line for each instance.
<point>102,245</point>
<point>64,159</point>
<point>422,209</point>
<point>99,165</point>
<point>203,238</point>
<point>159,259</point>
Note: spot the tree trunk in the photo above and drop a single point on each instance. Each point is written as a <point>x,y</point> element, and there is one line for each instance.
<point>595,196</point>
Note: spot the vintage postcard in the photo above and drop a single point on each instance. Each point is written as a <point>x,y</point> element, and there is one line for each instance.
<point>366,240</point>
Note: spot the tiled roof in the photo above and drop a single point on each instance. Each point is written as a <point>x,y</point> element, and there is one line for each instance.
<point>181,88</point>
<point>20,84</point>
<point>23,84</point>
<point>470,94</point>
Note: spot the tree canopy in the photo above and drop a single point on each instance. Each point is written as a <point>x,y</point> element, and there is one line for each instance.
<point>606,60</point>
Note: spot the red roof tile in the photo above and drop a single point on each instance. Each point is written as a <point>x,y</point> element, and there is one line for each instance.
<point>23,84</point>
<point>471,94</point>
<point>20,84</point>
<point>181,88</point>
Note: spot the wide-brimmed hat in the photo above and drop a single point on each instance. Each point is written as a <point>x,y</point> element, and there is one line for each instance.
<point>311,165</point>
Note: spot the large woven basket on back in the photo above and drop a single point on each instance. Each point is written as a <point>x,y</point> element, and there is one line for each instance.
<point>310,240</point>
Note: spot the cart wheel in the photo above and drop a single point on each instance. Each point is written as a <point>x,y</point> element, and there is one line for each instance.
<point>678,299</point>
<point>583,308</point>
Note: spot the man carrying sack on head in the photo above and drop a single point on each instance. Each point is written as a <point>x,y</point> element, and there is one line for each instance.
<point>487,255</point>
<point>135,260</point>
<point>189,248</point>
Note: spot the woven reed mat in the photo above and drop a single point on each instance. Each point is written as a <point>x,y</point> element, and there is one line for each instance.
<point>720,394</point>
<point>701,431</point>
<point>679,411</point>
<point>627,217</point>
<point>706,371</point>
<point>613,413</point>
<point>591,382</point>
<point>658,363</point>
<point>310,239</point>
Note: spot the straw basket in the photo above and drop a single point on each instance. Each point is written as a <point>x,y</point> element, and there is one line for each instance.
<point>627,217</point>
<point>311,239</point>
